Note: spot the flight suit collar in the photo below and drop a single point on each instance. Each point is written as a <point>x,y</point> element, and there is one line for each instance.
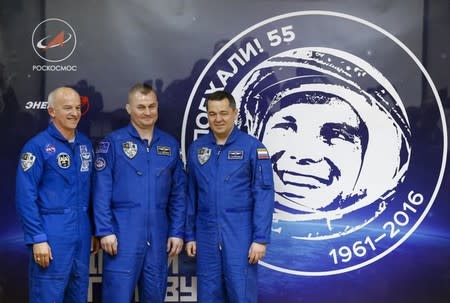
<point>233,136</point>
<point>54,132</point>
<point>134,133</point>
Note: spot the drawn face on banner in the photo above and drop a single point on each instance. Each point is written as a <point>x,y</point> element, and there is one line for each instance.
<point>316,151</point>
<point>324,133</point>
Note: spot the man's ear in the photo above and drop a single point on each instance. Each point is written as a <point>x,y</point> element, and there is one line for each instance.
<point>236,112</point>
<point>127,107</point>
<point>51,112</point>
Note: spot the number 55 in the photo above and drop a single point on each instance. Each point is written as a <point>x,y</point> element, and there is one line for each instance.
<point>287,35</point>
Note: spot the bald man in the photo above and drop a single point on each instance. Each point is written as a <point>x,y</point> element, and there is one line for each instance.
<point>52,200</point>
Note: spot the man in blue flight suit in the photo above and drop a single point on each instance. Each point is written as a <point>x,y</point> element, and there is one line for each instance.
<point>52,199</point>
<point>139,203</point>
<point>230,206</point>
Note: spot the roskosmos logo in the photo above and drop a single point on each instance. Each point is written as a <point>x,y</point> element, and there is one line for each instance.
<point>54,40</point>
<point>348,187</point>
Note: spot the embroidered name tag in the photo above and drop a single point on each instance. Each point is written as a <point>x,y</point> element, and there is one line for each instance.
<point>163,150</point>
<point>235,155</point>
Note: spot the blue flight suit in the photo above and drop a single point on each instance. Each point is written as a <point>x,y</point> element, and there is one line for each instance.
<point>139,195</point>
<point>52,198</point>
<point>230,205</point>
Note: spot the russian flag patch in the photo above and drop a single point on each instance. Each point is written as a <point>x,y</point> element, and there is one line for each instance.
<point>262,153</point>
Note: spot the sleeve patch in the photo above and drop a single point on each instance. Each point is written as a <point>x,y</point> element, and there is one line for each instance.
<point>27,161</point>
<point>262,153</point>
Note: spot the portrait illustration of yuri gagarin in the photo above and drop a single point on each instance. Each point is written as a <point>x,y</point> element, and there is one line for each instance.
<point>337,132</point>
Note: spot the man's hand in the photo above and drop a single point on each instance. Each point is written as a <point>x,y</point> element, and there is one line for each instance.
<point>42,254</point>
<point>95,245</point>
<point>109,244</point>
<point>256,252</point>
<point>191,248</point>
<point>174,246</point>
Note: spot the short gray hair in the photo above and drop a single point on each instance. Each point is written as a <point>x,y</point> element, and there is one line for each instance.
<point>51,98</point>
<point>53,95</point>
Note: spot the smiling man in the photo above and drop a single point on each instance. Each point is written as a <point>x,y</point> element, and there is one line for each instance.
<point>52,198</point>
<point>139,202</point>
<point>230,206</point>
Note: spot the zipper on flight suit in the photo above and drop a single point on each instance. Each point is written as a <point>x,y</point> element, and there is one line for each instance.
<point>73,154</point>
<point>219,150</point>
<point>147,229</point>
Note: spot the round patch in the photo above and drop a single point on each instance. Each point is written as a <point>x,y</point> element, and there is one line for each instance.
<point>50,149</point>
<point>100,163</point>
<point>63,160</point>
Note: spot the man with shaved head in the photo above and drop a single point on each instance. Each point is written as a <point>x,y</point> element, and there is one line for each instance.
<point>52,199</point>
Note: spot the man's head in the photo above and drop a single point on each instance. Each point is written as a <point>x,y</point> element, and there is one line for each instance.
<point>142,106</point>
<point>367,126</point>
<point>64,108</point>
<point>317,146</point>
<point>222,112</point>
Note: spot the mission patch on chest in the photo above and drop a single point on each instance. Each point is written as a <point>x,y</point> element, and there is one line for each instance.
<point>203,155</point>
<point>130,149</point>
<point>63,160</point>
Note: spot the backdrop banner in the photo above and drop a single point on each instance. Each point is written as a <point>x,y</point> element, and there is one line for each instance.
<point>350,98</point>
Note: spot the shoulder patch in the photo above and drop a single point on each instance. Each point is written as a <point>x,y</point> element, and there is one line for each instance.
<point>262,153</point>
<point>102,147</point>
<point>27,161</point>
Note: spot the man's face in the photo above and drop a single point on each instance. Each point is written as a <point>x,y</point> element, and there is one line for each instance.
<point>143,110</point>
<point>66,110</point>
<point>221,117</point>
<point>316,150</point>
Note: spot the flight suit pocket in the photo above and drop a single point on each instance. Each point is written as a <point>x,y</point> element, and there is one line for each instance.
<point>241,172</point>
<point>265,176</point>
<point>122,263</point>
<point>122,211</point>
<point>124,204</point>
<point>55,172</point>
<point>239,209</point>
<point>164,180</point>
